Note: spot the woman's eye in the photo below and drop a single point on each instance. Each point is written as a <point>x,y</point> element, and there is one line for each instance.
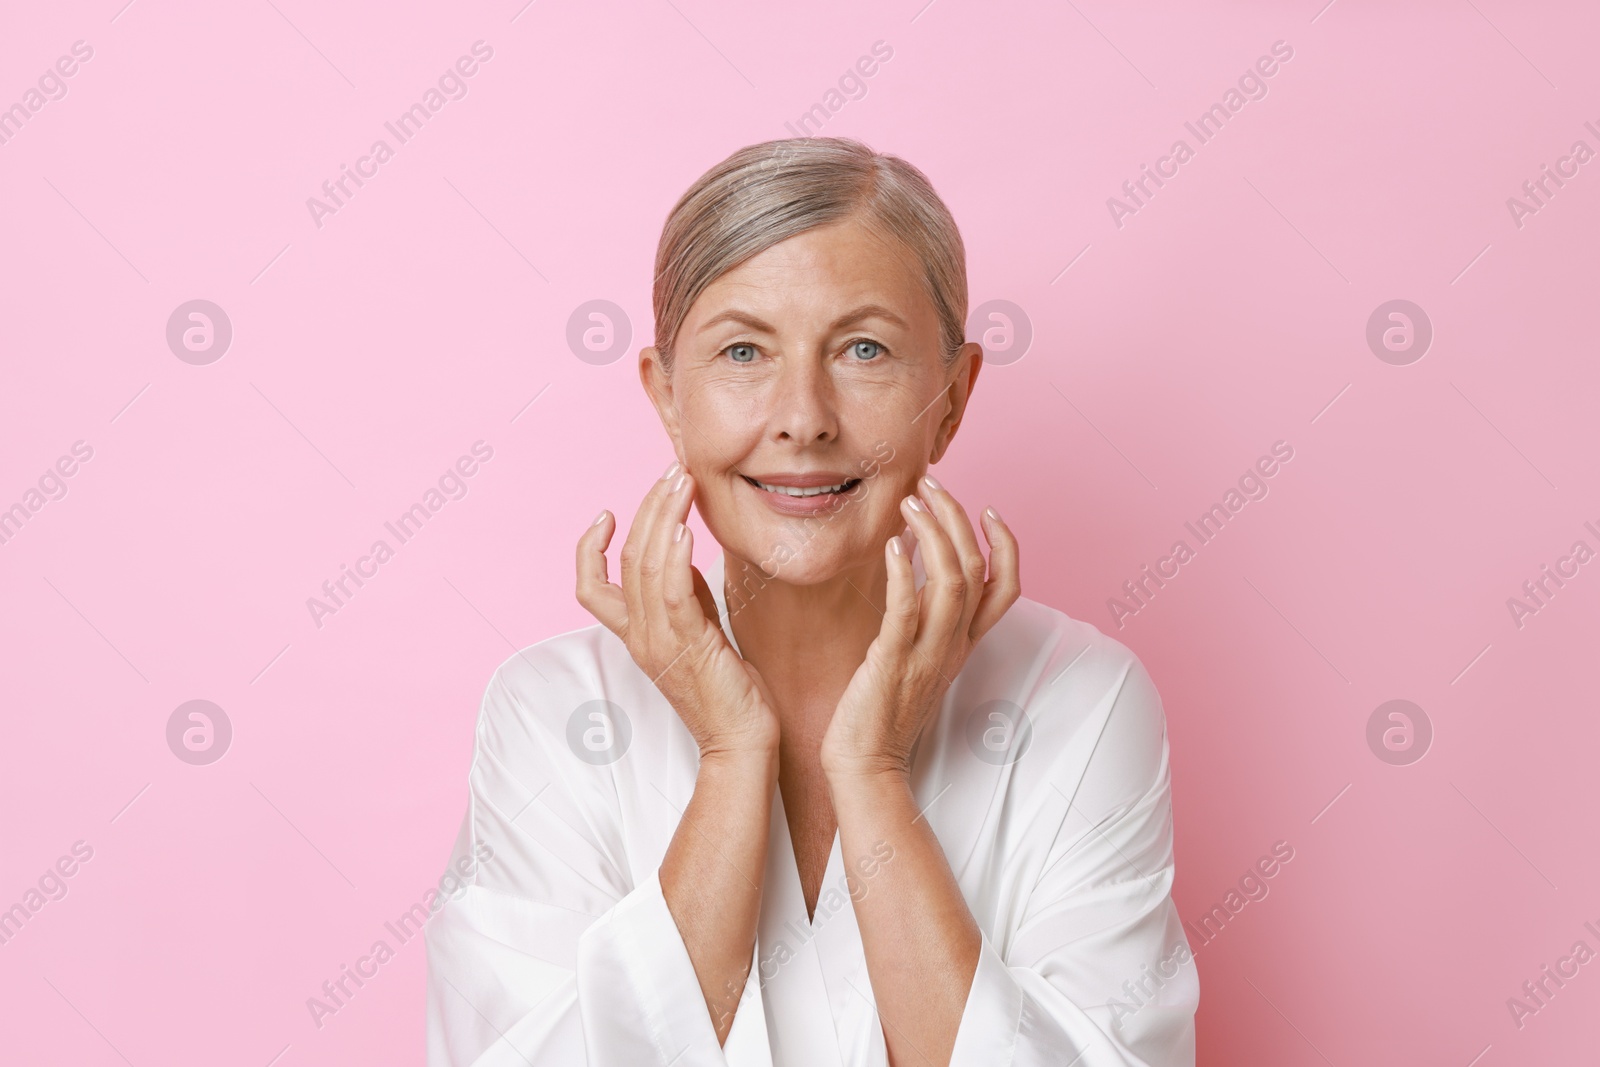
<point>864,351</point>
<point>741,353</point>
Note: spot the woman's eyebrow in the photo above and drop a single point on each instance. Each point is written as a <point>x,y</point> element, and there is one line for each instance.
<point>868,311</point>
<point>741,317</point>
<point>849,318</point>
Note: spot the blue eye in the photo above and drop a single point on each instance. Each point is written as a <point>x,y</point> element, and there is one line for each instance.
<point>871,353</point>
<point>741,353</point>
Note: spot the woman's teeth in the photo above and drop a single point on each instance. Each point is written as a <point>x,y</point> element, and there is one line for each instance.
<point>789,490</point>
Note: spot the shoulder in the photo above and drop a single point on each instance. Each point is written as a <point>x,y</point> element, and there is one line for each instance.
<point>1095,721</point>
<point>560,724</point>
<point>576,659</point>
<point>533,694</point>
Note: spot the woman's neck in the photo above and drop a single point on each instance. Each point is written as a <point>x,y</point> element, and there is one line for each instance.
<point>806,640</point>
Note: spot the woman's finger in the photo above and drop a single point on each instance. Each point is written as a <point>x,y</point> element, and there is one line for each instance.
<point>1005,584</point>
<point>943,595</point>
<point>635,553</point>
<point>683,610</point>
<point>900,601</point>
<point>954,521</point>
<point>661,564</point>
<point>595,592</point>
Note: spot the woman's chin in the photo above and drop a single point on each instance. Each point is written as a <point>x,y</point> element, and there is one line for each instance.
<point>792,557</point>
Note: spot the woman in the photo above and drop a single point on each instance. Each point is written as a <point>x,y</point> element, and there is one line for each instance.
<point>843,799</point>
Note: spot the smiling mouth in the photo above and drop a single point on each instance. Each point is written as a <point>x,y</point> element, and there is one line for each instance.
<point>790,490</point>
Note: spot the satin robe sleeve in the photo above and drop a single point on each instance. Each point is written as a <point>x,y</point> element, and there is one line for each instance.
<point>1097,972</point>
<point>550,955</point>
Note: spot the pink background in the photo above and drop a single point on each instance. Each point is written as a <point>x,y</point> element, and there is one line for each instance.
<point>368,354</point>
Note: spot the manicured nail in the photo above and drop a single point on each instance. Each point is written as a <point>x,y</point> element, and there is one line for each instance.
<point>671,470</point>
<point>914,504</point>
<point>679,483</point>
<point>933,482</point>
<point>598,519</point>
<point>993,514</point>
<point>677,535</point>
<point>896,547</point>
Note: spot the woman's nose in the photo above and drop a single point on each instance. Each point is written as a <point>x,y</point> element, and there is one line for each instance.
<point>803,408</point>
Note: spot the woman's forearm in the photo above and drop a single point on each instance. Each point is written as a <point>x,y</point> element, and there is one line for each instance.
<point>712,874</point>
<point>919,937</point>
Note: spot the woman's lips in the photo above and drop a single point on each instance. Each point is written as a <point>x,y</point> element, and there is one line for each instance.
<point>815,504</point>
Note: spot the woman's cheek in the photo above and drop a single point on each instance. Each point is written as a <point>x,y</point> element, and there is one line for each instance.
<point>892,457</point>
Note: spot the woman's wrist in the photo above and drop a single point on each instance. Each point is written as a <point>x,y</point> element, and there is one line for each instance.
<point>753,759</point>
<point>861,760</point>
<point>871,776</point>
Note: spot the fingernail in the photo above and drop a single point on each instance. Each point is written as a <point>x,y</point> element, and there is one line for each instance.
<point>671,471</point>
<point>933,482</point>
<point>598,519</point>
<point>677,535</point>
<point>679,483</point>
<point>914,504</point>
<point>993,514</point>
<point>896,547</point>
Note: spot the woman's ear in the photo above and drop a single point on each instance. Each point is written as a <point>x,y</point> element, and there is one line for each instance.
<point>964,376</point>
<point>657,382</point>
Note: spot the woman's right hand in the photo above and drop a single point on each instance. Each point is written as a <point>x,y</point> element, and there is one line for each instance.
<point>665,613</point>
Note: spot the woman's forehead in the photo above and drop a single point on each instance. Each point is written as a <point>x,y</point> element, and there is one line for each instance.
<point>833,269</point>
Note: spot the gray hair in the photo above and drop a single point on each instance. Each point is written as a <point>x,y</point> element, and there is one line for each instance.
<point>766,193</point>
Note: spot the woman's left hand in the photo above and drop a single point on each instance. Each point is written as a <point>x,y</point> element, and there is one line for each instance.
<point>927,633</point>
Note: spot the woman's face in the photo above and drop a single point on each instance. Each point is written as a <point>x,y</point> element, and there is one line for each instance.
<point>814,364</point>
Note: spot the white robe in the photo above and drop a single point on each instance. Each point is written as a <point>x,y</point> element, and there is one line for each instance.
<point>560,950</point>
